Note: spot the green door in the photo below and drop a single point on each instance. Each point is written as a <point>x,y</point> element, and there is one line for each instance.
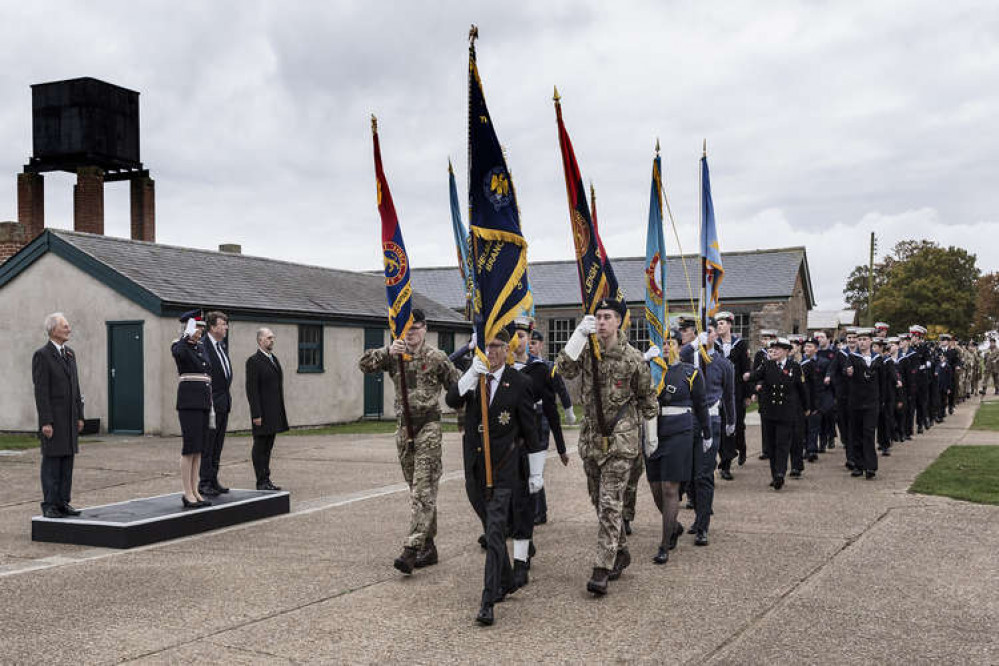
<point>125,401</point>
<point>373,393</point>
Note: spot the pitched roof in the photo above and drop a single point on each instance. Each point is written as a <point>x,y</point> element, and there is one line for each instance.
<point>750,275</point>
<point>831,318</point>
<point>166,278</point>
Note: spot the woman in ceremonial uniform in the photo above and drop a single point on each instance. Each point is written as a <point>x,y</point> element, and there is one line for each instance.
<point>194,403</point>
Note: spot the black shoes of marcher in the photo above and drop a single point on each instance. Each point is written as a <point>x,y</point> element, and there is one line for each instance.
<point>208,491</point>
<point>869,474</point>
<point>520,577</point>
<point>482,541</point>
<point>69,510</point>
<point>219,488</point>
<point>621,562</point>
<point>885,452</point>
<point>813,457</point>
<point>627,527</point>
<point>831,446</point>
<point>725,474</point>
<point>541,520</point>
<point>849,465</point>
<point>692,530</point>
<point>267,485</point>
<point>675,536</point>
<point>764,456</point>
<point>795,474</point>
<point>742,459</point>
<point>53,512</point>
<point>702,539</point>
<point>406,561</point>
<point>662,557</point>
<point>485,616</point>
<point>189,504</point>
<point>689,504</point>
<point>857,472</point>
<point>427,556</point>
<point>778,482</point>
<point>598,581</point>
<point>919,430</point>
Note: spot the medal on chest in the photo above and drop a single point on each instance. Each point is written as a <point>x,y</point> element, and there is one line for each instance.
<point>504,417</point>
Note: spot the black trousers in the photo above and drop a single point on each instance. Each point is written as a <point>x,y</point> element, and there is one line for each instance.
<point>923,405</point>
<point>814,425</point>
<point>498,574</point>
<point>57,480</point>
<point>843,421</point>
<point>864,422</point>
<point>704,476</point>
<point>799,438</point>
<point>261,456</point>
<point>732,447</point>
<point>777,436</point>
<point>211,457</point>
<point>827,432</point>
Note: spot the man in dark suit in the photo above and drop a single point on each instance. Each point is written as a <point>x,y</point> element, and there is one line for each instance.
<point>60,415</point>
<point>512,434</point>
<point>265,391</point>
<point>221,374</point>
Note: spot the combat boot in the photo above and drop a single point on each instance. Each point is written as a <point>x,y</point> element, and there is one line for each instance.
<point>621,563</point>
<point>406,561</point>
<point>598,581</point>
<point>427,556</point>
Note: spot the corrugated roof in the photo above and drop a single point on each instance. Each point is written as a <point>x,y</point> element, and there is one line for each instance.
<point>180,275</point>
<point>749,275</point>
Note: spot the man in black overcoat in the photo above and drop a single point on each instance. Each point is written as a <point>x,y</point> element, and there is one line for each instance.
<point>265,391</point>
<point>60,415</point>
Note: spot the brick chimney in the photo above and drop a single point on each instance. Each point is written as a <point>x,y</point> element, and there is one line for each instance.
<point>31,203</point>
<point>143,200</point>
<point>12,238</point>
<point>88,200</point>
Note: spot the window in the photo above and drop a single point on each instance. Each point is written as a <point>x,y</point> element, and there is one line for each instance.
<point>638,333</point>
<point>445,340</point>
<point>559,331</point>
<point>310,348</point>
<point>740,326</point>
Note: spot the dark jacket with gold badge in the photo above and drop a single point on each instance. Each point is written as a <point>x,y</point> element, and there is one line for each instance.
<point>512,430</point>
<point>782,391</point>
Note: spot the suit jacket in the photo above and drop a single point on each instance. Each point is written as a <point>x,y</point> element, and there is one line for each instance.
<point>265,391</point>
<point>57,399</point>
<point>783,393</point>
<point>221,397</point>
<point>512,430</point>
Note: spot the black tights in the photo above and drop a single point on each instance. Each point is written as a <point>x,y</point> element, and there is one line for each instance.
<point>667,498</point>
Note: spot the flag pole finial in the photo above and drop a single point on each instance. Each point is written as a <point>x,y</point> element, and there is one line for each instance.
<point>593,193</point>
<point>450,169</point>
<point>556,98</point>
<point>374,124</point>
<point>657,145</point>
<point>473,34</point>
<point>705,148</point>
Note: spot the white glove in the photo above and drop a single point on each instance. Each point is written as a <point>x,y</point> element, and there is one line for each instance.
<point>570,416</point>
<point>702,339</point>
<point>473,341</point>
<point>651,436</point>
<point>587,327</point>
<point>706,444</point>
<point>471,377</point>
<point>730,429</point>
<point>652,352</point>
<point>536,480</point>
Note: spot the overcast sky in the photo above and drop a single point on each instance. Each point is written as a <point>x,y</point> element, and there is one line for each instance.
<point>824,120</point>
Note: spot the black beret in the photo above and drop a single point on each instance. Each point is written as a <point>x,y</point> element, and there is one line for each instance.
<point>614,304</point>
<point>419,316</point>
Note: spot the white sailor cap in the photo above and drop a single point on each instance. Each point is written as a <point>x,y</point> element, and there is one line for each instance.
<point>784,343</point>
<point>865,332</point>
<point>768,333</point>
<point>881,325</point>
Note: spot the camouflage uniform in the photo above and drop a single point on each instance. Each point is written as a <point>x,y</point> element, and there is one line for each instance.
<point>625,383</point>
<point>428,372</point>
<point>974,370</point>
<point>631,492</point>
<point>992,369</point>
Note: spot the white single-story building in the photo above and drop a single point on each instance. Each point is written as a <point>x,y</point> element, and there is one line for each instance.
<point>122,298</point>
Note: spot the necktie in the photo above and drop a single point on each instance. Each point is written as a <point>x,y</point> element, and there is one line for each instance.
<point>62,352</point>
<point>490,378</point>
<point>225,360</point>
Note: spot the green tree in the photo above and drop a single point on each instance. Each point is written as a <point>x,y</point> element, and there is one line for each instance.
<point>919,282</point>
<point>986,304</point>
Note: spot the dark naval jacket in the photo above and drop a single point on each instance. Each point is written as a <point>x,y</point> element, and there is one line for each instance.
<point>192,360</point>
<point>783,394</point>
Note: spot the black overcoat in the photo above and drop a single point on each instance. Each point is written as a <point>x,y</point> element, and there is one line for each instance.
<point>57,399</point>
<point>265,391</point>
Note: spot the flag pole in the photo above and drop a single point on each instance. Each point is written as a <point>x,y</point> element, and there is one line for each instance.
<point>704,259</point>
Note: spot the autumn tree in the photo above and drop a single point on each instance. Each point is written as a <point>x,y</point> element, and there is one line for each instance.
<point>986,304</point>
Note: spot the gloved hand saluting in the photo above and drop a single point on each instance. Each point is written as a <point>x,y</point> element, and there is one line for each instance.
<point>587,327</point>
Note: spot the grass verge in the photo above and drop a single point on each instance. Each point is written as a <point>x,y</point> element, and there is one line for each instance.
<point>18,441</point>
<point>962,472</point>
<point>987,417</point>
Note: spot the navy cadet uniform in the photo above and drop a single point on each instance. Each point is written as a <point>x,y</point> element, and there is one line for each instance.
<point>826,399</point>
<point>767,336</point>
<point>820,398</point>
<point>865,400</point>
<point>737,352</point>
<point>841,389</point>
<point>923,363</point>
<point>194,391</point>
<point>781,388</point>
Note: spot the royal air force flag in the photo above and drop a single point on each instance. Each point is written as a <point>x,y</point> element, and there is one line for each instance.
<point>397,286</point>
<point>499,250</point>
<point>461,242</point>
<point>656,309</point>
<point>711,262</point>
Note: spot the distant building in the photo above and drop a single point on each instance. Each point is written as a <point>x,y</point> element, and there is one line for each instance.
<point>122,298</point>
<point>833,322</point>
<point>762,288</point>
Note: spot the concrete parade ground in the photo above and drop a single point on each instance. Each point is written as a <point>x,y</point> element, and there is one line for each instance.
<point>831,569</point>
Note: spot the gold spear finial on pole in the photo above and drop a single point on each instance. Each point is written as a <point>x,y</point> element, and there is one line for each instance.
<point>473,34</point>
<point>657,145</point>
<point>374,124</point>
<point>557,98</point>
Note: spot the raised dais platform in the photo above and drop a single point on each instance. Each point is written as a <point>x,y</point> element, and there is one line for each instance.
<point>151,519</point>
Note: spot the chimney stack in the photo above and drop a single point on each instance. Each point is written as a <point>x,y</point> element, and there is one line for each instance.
<point>231,248</point>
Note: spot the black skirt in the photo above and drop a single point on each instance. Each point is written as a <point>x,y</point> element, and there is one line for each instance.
<point>673,460</point>
<point>194,429</point>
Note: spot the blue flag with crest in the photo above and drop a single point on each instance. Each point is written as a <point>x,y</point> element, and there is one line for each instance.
<point>656,308</point>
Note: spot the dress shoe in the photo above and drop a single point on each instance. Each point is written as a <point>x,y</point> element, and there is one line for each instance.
<point>427,556</point>
<point>219,488</point>
<point>621,562</point>
<point>662,557</point>
<point>406,561</point>
<point>675,536</point>
<point>795,474</point>
<point>885,453</point>
<point>541,520</point>
<point>188,504</point>
<point>208,491</point>
<point>778,482</point>
<point>267,485</point>
<point>702,539</point>
<point>725,474</point>
<point>848,465</point>
<point>870,474</point>
<point>53,512</point>
<point>690,503</point>
<point>691,530</point>
<point>763,456</point>
<point>627,527</point>
<point>831,446</point>
<point>202,503</point>
<point>520,577</point>
<point>919,429</point>
<point>742,459</point>
<point>812,457</point>
<point>485,616</point>
<point>857,472</point>
<point>598,581</point>
<point>69,510</point>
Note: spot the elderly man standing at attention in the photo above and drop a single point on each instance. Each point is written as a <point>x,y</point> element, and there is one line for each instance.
<point>618,398</point>
<point>60,415</point>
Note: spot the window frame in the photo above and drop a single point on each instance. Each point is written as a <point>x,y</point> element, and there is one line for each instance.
<point>308,347</point>
<point>558,328</point>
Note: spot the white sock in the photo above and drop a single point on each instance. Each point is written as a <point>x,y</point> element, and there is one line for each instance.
<point>521,547</point>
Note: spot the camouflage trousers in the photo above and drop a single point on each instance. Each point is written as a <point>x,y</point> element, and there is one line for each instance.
<point>607,484</point>
<point>421,467</point>
<point>631,492</point>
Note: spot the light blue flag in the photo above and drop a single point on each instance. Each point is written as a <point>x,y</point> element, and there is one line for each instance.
<point>656,309</point>
<point>461,243</point>
<point>712,272</point>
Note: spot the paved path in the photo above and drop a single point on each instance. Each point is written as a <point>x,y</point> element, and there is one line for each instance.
<point>830,570</point>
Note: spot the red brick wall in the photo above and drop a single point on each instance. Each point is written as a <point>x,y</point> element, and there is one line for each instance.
<point>31,203</point>
<point>12,238</point>
<point>88,200</point>
<point>143,201</point>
